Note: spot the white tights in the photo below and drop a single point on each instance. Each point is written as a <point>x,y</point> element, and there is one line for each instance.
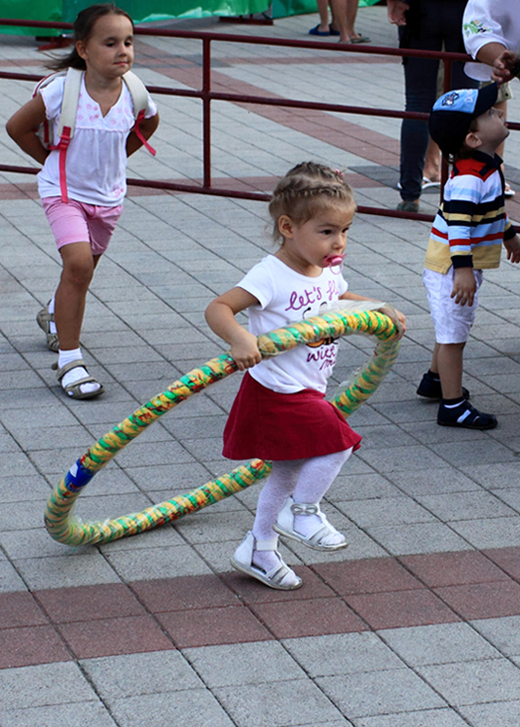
<point>307,480</point>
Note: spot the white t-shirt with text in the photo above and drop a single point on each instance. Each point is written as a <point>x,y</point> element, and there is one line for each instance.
<point>286,296</point>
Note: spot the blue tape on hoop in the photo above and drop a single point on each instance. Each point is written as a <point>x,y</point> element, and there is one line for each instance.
<point>77,477</point>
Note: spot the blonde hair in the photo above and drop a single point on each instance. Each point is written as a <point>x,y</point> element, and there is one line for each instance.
<point>306,190</point>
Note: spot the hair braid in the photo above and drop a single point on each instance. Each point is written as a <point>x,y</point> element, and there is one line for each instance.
<point>305,190</point>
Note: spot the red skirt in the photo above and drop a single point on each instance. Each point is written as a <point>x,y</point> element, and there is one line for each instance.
<point>268,425</point>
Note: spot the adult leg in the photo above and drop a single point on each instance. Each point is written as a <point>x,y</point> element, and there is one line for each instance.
<point>420,92</point>
<point>420,88</point>
<point>339,19</point>
<point>432,162</point>
<point>352,8</point>
<point>323,10</point>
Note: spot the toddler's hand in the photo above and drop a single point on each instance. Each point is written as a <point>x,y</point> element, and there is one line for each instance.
<point>464,286</point>
<point>244,350</point>
<point>513,249</point>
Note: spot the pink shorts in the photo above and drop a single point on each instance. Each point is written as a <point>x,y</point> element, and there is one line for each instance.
<point>80,222</point>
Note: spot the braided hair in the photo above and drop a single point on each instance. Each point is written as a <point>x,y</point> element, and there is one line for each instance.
<point>307,189</point>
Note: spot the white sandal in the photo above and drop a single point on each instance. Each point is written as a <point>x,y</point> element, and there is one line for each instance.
<point>73,390</point>
<point>44,320</point>
<point>318,540</point>
<point>280,577</point>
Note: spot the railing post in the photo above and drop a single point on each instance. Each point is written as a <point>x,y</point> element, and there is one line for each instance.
<point>206,111</point>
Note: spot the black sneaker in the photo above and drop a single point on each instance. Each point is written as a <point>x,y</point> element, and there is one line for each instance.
<point>465,415</point>
<point>430,388</point>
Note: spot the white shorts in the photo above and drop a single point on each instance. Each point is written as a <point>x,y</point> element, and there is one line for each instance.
<point>452,321</point>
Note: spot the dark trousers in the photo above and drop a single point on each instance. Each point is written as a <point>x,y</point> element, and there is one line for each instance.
<point>437,25</point>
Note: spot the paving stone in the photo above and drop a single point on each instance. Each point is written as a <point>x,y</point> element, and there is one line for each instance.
<point>474,682</point>
<point>259,662</point>
<point>48,684</point>
<point>503,713</point>
<point>120,677</point>
<point>501,632</point>
<point>371,693</point>
<point>71,569</point>
<point>276,704</point>
<point>196,706</point>
<point>342,654</point>
<point>81,714</point>
<point>438,644</point>
<point>423,718</point>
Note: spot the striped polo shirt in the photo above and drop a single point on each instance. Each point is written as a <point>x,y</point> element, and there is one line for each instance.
<point>471,224</point>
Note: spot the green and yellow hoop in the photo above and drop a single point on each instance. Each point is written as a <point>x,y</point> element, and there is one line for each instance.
<point>65,528</point>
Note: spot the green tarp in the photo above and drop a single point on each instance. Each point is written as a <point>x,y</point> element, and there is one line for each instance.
<point>283,8</point>
<point>149,11</point>
<point>50,10</point>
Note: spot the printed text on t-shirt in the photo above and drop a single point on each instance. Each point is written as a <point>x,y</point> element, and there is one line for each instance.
<point>297,300</point>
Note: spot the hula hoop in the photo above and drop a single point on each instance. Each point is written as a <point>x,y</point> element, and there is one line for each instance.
<point>65,528</point>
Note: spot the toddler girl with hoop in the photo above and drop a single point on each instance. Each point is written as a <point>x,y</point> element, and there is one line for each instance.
<point>84,213</point>
<point>280,413</point>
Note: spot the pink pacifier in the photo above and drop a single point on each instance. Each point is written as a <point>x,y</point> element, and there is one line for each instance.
<point>334,261</point>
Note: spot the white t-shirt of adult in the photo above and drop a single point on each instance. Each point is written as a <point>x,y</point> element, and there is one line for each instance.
<point>286,296</point>
<point>96,157</point>
<point>489,21</point>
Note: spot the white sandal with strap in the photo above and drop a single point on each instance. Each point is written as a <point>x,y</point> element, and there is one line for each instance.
<point>319,539</point>
<point>280,577</point>
<point>44,320</point>
<point>74,390</point>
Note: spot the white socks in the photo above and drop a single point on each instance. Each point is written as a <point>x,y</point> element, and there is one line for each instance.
<point>278,487</point>
<point>307,480</point>
<point>65,357</point>
<point>316,476</point>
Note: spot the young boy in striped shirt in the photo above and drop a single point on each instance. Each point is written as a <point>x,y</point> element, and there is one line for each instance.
<point>466,237</point>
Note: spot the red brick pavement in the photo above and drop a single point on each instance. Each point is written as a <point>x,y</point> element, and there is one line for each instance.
<point>341,597</point>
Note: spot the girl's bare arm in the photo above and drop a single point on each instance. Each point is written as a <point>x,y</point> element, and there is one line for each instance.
<point>22,125</point>
<point>147,128</point>
<point>220,317</point>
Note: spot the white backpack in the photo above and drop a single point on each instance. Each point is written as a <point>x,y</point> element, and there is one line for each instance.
<point>69,108</point>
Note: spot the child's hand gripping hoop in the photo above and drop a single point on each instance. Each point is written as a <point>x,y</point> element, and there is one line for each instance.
<point>71,530</point>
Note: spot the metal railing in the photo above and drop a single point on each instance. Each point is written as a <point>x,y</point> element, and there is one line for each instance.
<point>207,96</point>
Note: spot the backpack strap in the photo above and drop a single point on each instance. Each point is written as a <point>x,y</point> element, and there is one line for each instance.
<point>69,105</point>
<point>67,124</point>
<point>140,101</point>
